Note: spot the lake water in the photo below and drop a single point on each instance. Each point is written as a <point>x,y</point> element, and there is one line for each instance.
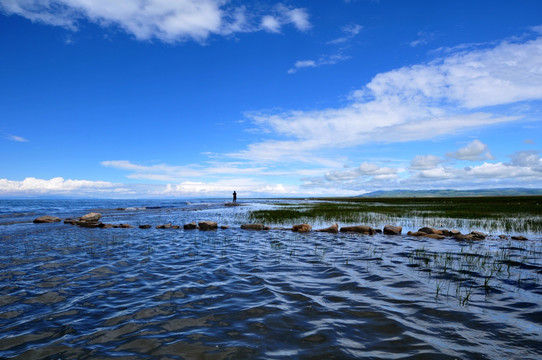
<point>70,292</point>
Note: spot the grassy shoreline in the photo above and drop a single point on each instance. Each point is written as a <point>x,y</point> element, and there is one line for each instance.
<point>511,214</point>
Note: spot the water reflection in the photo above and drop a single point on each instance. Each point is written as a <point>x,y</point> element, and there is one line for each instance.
<point>69,292</point>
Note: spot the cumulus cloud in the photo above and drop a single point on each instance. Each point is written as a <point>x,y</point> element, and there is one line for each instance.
<point>246,187</point>
<point>364,170</point>
<point>58,185</point>
<point>425,162</point>
<point>352,180</point>
<point>283,15</point>
<point>474,151</point>
<point>530,159</point>
<point>446,96</point>
<point>166,20</point>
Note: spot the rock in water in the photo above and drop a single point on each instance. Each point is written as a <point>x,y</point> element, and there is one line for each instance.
<point>46,219</point>
<point>208,225</point>
<point>363,229</point>
<point>252,226</point>
<point>332,229</point>
<point>392,230</point>
<point>91,217</point>
<point>302,228</point>
<point>190,226</point>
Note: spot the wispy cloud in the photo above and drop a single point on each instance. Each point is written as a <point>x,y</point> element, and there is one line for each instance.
<point>446,96</point>
<point>423,38</point>
<point>322,60</point>
<point>169,21</point>
<point>349,32</point>
<point>16,138</point>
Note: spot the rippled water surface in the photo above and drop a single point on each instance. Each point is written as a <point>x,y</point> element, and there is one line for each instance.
<point>71,292</point>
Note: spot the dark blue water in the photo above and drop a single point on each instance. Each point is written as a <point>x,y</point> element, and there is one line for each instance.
<point>79,293</point>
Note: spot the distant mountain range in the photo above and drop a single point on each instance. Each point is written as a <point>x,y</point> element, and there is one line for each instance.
<point>453,193</point>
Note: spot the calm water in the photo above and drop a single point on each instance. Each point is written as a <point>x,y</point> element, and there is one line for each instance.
<point>70,292</point>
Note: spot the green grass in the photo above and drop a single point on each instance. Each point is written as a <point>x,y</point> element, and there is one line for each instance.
<point>477,271</point>
<point>506,214</point>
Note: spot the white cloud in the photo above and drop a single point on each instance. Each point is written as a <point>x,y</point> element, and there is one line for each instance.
<point>298,17</point>
<point>166,20</point>
<point>322,60</point>
<point>58,185</point>
<point>425,162</point>
<point>245,187</point>
<point>530,159</point>
<point>164,172</point>
<point>271,24</point>
<point>349,31</point>
<point>16,138</point>
<point>447,96</point>
<point>284,15</point>
<point>507,73</point>
<point>364,170</point>
<point>423,38</point>
<point>474,151</point>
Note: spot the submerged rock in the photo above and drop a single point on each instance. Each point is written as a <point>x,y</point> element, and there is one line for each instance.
<point>416,233</point>
<point>332,229</point>
<point>474,235</point>
<point>434,236</point>
<point>46,219</point>
<point>519,237</point>
<point>164,226</point>
<point>253,226</point>
<point>363,229</point>
<point>430,230</point>
<point>302,228</point>
<point>224,227</point>
<point>392,230</point>
<point>89,224</point>
<point>71,221</point>
<point>145,226</point>
<point>191,226</point>
<point>208,225</point>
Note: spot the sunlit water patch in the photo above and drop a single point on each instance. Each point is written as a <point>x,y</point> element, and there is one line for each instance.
<point>70,292</point>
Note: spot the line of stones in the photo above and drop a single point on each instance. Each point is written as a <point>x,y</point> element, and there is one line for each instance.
<point>92,220</point>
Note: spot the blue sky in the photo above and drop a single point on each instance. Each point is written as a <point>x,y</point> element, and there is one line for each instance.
<point>197,98</point>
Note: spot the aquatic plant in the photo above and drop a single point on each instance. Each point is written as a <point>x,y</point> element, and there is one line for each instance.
<point>518,214</point>
<point>480,270</point>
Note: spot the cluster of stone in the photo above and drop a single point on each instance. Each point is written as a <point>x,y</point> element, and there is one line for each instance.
<point>202,225</point>
<point>444,233</point>
<point>92,220</point>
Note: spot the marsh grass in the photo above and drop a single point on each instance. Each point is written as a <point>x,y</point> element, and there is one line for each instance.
<point>480,271</point>
<point>514,214</point>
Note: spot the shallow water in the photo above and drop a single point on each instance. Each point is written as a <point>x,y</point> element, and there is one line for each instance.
<point>70,292</point>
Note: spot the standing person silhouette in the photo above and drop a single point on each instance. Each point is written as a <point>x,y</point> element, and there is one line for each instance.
<point>234,197</point>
